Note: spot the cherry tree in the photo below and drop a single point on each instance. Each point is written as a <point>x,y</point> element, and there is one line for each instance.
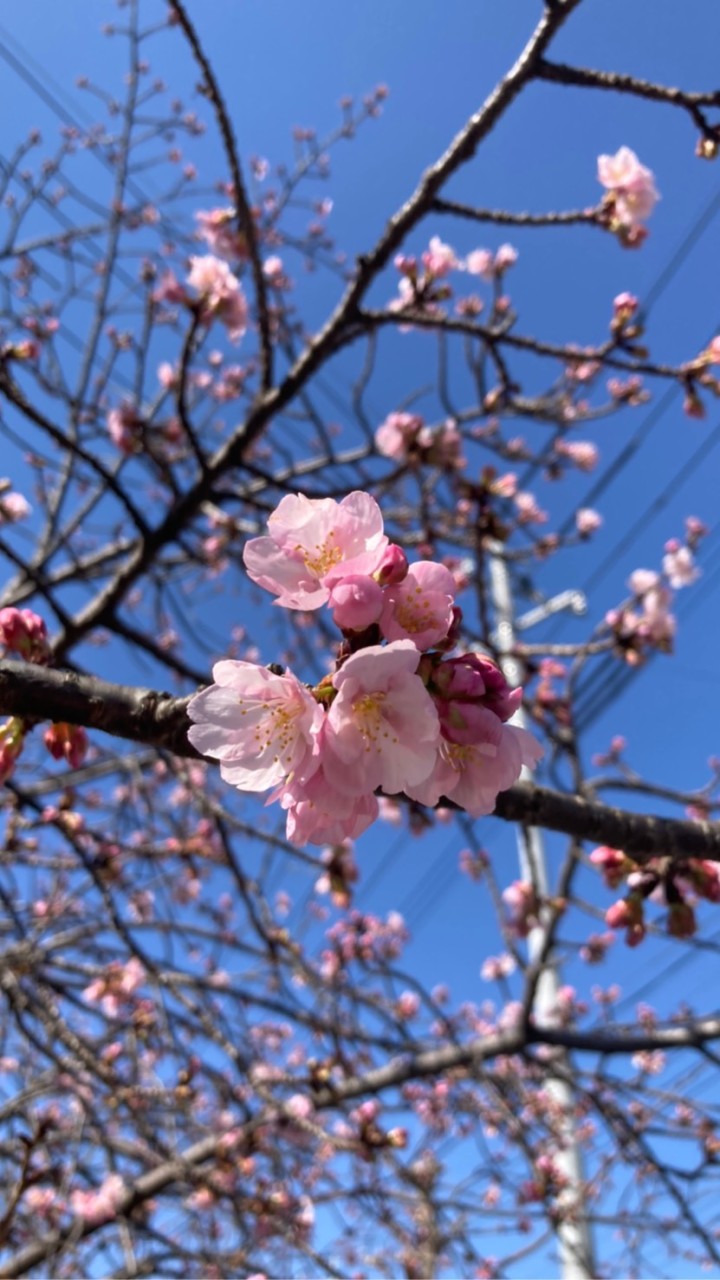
<point>247,640</point>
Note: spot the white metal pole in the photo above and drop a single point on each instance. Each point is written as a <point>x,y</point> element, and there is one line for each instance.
<point>573,1233</point>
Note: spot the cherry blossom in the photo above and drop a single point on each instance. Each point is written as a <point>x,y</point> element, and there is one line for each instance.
<point>439,259</point>
<point>587,521</point>
<point>218,228</point>
<point>96,1207</point>
<point>125,426</point>
<point>13,506</point>
<point>260,726</point>
<point>319,813</point>
<point>382,729</point>
<point>679,565</point>
<point>220,294</point>
<point>471,775</point>
<point>396,435</point>
<point>312,544</point>
<point>632,185</point>
<point>420,608</point>
<point>67,742</point>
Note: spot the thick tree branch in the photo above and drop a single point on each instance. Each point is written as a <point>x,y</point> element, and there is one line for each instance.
<point>140,715</point>
<point>160,720</point>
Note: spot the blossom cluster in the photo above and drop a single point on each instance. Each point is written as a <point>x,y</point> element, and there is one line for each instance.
<point>678,887</point>
<point>397,715</point>
<point>630,197</point>
<point>405,437</point>
<point>646,623</point>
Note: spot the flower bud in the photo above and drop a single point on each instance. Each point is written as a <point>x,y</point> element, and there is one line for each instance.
<point>356,602</point>
<point>66,742</point>
<point>24,632</point>
<point>393,567</point>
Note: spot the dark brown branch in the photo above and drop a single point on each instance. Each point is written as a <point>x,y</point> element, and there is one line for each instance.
<point>37,693</point>
<point>340,330</point>
<point>506,219</point>
<point>433,1063</point>
<point>160,720</point>
<point>615,81</point>
<point>500,337</point>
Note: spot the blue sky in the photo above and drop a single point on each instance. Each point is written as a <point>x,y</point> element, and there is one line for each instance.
<point>282,64</point>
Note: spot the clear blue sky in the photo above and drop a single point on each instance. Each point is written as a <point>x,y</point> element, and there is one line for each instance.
<point>283,64</point>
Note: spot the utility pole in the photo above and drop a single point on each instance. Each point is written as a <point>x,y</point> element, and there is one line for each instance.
<point>573,1233</point>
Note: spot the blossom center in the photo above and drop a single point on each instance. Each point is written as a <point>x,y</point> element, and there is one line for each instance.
<point>368,715</point>
<point>414,611</point>
<point>323,557</point>
<point>276,728</point>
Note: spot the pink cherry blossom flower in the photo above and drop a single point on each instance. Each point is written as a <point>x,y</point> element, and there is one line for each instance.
<point>318,813</point>
<point>505,257</point>
<point>420,608</point>
<point>382,729</point>
<point>273,270</point>
<point>218,228</point>
<point>261,727</point>
<point>96,1207</point>
<point>442,447</point>
<point>480,263</point>
<point>472,678</point>
<point>528,510</point>
<point>679,566</point>
<point>583,453</point>
<point>633,185</point>
<point>439,259</point>
<point>13,506</point>
<point>169,289</point>
<point>220,294</point>
<point>125,428</point>
<point>116,986</point>
<point>393,567</point>
<point>643,580</point>
<point>314,543</point>
<point>471,775</point>
<point>396,435</point>
<point>587,521</point>
<point>167,375</point>
<point>496,967</point>
<point>522,902</point>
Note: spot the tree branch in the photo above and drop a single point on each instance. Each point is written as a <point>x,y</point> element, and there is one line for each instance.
<point>160,720</point>
<point>433,1063</point>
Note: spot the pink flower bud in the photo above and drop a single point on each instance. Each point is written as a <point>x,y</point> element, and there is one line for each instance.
<point>66,742</point>
<point>626,913</point>
<point>613,864</point>
<point>473,677</point>
<point>356,602</point>
<point>24,632</point>
<point>393,567</point>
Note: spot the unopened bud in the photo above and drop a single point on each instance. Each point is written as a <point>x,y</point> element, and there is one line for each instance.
<point>393,567</point>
